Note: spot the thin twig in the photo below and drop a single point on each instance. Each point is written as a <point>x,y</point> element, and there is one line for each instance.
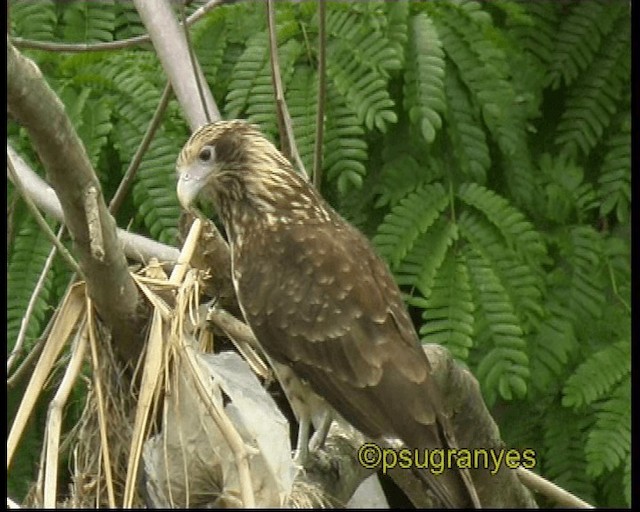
<point>40,219</point>
<point>287,139</point>
<point>322,84</point>
<point>127,179</point>
<point>24,324</point>
<point>20,42</point>
<point>562,497</point>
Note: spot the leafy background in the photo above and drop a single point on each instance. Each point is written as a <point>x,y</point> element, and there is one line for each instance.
<point>484,147</point>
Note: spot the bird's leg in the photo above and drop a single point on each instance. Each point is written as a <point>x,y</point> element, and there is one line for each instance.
<point>302,445</point>
<point>320,435</point>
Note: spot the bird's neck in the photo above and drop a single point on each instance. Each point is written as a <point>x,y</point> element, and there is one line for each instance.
<point>281,198</point>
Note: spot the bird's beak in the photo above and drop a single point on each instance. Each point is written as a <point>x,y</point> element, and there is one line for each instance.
<point>190,182</point>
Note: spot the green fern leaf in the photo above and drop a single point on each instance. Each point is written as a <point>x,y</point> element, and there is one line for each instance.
<point>563,458</point>
<point>29,252</point>
<point>586,282</point>
<point>518,233</point>
<point>89,22</point>
<point>448,310</point>
<point>609,441</point>
<point>301,100</point>
<point>413,216</point>
<point>358,64</point>
<point>615,177</point>
<point>552,347</point>
<point>419,267</point>
<point>537,31</point>
<point>345,149</point>
<point>597,375</point>
<point>594,100</point>
<point>154,193</point>
<point>523,285</point>
<point>579,37</point>
<point>33,20</point>
<point>423,79</point>
<point>504,369</point>
<point>128,23</point>
<point>465,131</point>
<point>245,74</point>
<point>397,28</point>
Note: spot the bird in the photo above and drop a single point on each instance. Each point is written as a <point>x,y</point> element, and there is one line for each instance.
<point>317,296</point>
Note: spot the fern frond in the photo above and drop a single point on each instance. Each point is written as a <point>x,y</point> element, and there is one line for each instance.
<point>615,175</point>
<point>504,368</point>
<point>128,23</point>
<point>609,441</point>
<point>397,28</point>
<point>518,232</point>
<point>412,217</point>
<point>400,176</point>
<point>423,78</point>
<point>594,100</point>
<point>484,70</point>
<point>563,459</point>
<point>579,37</point>
<point>89,22</point>
<point>29,252</point>
<point>154,192</point>
<point>551,347</point>
<point>586,256</point>
<point>33,20</point>
<point>245,74</point>
<point>210,39</point>
<point>467,137</point>
<point>358,64</point>
<point>301,100</point>
<point>598,375</point>
<point>421,263</point>
<point>523,285</point>
<point>345,149</point>
<point>261,106</point>
<point>448,310</point>
<point>537,34</point>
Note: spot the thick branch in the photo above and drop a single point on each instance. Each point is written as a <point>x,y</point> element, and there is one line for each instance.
<point>32,103</point>
<point>172,49</point>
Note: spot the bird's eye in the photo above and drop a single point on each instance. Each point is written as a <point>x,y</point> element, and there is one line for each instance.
<point>205,155</point>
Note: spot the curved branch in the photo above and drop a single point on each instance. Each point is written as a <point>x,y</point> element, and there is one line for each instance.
<point>20,42</point>
<point>136,247</point>
<point>33,104</point>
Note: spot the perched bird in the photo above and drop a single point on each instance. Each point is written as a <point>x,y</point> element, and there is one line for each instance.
<point>316,295</point>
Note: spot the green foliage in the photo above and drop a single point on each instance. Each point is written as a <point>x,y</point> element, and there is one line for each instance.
<point>30,249</point>
<point>484,146</point>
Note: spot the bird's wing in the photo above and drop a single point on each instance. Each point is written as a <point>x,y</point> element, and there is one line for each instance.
<point>320,300</point>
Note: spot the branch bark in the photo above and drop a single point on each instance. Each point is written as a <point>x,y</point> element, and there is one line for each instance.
<point>33,103</point>
<point>173,51</point>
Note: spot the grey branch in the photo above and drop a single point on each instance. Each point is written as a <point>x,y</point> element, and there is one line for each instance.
<point>35,106</point>
<point>171,46</point>
<point>136,247</point>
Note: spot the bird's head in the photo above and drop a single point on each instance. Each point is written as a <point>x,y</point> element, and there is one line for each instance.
<point>232,165</point>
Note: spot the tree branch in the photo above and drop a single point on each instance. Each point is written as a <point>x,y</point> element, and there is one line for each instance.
<point>20,42</point>
<point>173,52</point>
<point>135,246</point>
<point>32,103</point>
